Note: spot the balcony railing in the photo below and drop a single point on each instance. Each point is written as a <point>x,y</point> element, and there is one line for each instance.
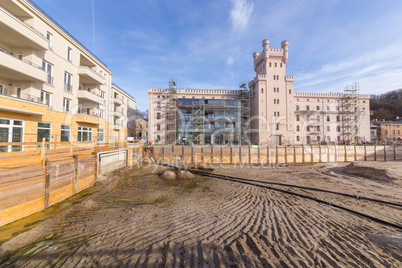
<point>26,24</point>
<point>21,59</point>
<point>90,91</point>
<point>91,112</point>
<point>19,95</point>
<point>95,72</point>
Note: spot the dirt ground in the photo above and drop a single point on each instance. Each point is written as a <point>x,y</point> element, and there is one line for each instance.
<point>135,219</point>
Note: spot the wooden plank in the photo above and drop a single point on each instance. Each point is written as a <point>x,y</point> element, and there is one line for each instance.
<point>47,185</point>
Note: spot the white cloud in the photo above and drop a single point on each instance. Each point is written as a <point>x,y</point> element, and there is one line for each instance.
<point>240,14</point>
<point>229,62</point>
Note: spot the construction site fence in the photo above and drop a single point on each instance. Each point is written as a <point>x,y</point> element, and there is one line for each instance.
<point>33,181</point>
<point>266,155</point>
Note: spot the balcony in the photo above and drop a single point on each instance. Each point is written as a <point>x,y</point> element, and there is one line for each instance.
<point>88,116</point>
<point>89,96</point>
<point>117,101</point>
<point>116,112</point>
<point>14,68</point>
<point>23,104</point>
<point>90,76</point>
<point>18,33</point>
<point>116,126</point>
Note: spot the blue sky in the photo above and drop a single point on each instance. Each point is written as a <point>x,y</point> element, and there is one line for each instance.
<point>209,44</point>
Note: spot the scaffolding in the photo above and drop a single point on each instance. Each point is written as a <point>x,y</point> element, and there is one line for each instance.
<point>198,112</point>
<point>245,111</point>
<point>171,116</point>
<point>351,113</point>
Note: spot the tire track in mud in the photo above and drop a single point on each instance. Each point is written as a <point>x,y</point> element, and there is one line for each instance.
<point>245,227</point>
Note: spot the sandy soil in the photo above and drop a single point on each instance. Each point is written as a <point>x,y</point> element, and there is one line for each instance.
<point>136,219</point>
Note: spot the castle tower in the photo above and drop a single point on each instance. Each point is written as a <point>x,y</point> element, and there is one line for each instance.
<point>272,97</point>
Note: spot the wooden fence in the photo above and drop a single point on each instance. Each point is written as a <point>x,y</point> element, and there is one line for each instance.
<point>277,154</point>
<point>34,180</point>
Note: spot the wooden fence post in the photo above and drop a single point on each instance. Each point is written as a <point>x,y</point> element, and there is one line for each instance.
<point>303,154</point>
<point>294,154</point>
<point>231,154</point>
<point>240,154</point>
<point>328,159</point>
<point>267,154</point>
<point>249,154</point>
<point>276,155</point>
<point>71,148</point>
<point>75,179</point>
<point>259,162</point>
<point>336,154</point>
<point>375,151</point>
<point>47,184</point>
<point>286,155</point>
<point>163,153</point>
<point>385,152</point>
<point>192,154</point>
<point>212,154</point>
<point>346,154</point>
<point>319,152</point>
<point>394,151</point>
<point>221,155</point>
<point>355,152</point>
<point>202,154</point>
<point>365,152</point>
<point>42,152</point>
<point>172,152</point>
<point>182,153</point>
<point>311,155</point>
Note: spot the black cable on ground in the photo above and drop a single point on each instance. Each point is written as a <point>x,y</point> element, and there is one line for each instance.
<point>240,180</point>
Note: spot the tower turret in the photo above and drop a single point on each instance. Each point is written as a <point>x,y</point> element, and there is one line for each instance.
<point>285,45</point>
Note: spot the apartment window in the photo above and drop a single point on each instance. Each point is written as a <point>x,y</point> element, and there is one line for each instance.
<point>11,131</point>
<point>274,101</point>
<point>318,118</point>
<point>393,132</point>
<point>338,128</point>
<point>65,133</point>
<point>68,82</point>
<point>308,100</point>
<point>337,108</point>
<point>276,126</point>
<point>66,105</point>
<point>386,132</point>
<point>398,132</point>
<point>159,97</point>
<point>328,128</point>
<point>275,113</point>
<point>297,117</point>
<point>44,131</point>
<point>318,128</point>
<point>101,134</point>
<point>276,65</point>
<point>46,98</point>
<point>158,116</point>
<point>328,118</point>
<point>101,94</point>
<point>308,118</point>
<point>158,137</point>
<point>158,105</point>
<point>338,138</point>
<point>69,54</point>
<point>163,96</point>
<point>277,101</point>
<point>48,68</point>
<point>290,91</point>
<point>281,65</point>
<point>270,64</point>
<point>298,138</point>
<point>308,128</point>
<point>327,108</point>
<point>262,90</point>
<point>274,77</point>
<point>49,37</point>
<point>158,127</point>
<point>102,113</point>
<point>307,107</point>
<point>338,119</point>
<point>297,107</point>
<point>297,128</point>
<point>318,108</point>
<point>84,134</point>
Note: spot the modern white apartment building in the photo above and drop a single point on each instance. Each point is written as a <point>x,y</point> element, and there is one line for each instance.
<point>277,114</point>
<point>51,86</point>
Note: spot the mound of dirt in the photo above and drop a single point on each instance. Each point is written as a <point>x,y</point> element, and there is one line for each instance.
<point>369,172</point>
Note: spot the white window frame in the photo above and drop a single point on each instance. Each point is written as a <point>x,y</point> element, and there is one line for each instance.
<point>48,68</point>
<point>65,130</point>
<point>68,82</point>
<point>66,105</point>
<point>101,131</point>
<point>10,131</point>
<point>47,99</point>
<point>87,130</point>
<point>50,133</point>
<point>69,54</point>
<point>49,37</point>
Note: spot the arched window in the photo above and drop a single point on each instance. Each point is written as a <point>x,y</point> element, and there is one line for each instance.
<point>297,107</point>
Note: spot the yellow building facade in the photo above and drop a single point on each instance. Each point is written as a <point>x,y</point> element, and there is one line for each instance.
<point>51,86</point>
